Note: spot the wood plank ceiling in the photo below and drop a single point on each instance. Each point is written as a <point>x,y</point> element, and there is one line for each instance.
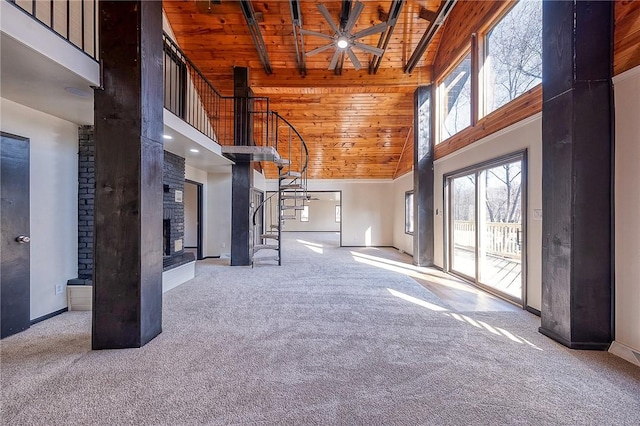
<point>356,124</point>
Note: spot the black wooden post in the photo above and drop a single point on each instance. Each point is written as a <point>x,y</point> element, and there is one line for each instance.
<point>423,180</point>
<point>577,190</point>
<point>242,172</point>
<point>127,299</point>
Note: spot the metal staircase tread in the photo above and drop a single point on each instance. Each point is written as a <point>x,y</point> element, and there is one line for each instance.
<point>290,174</point>
<point>293,197</point>
<point>285,216</point>
<point>282,162</point>
<point>270,236</point>
<point>292,207</point>
<point>265,247</point>
<point>292,186</point>
<point>265,258</point>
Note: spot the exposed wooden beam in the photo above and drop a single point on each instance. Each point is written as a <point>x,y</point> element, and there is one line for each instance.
<point>296,20</point>
<point>434,26</point>
<point>385,37</point>
<point>427,14</point>
<point>256,34</point>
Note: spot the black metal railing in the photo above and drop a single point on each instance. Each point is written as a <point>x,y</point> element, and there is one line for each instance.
<point>74,20</point>
<point>190,96</point>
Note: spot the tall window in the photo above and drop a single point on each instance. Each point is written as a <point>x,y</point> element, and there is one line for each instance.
<point>304,214</point>
<point>513,55</point>
<point>455,99</point>
<point>408,212</point>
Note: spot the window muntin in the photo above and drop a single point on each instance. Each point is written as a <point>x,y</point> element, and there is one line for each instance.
<point>408,212</point>
<point>513,55</point>
<point>455,99</point>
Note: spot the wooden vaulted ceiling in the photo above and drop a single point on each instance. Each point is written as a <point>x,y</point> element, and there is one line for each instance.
<point>357,125</point>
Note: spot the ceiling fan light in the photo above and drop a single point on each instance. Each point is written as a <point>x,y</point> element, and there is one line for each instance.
<point>342,42</point>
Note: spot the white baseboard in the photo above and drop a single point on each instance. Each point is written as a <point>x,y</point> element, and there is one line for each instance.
<point>176,276</point>
<point>625,353</point>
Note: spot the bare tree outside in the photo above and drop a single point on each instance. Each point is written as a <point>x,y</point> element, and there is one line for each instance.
<point>513,60</point>
<point>503,192</point>
<point>456,99</point>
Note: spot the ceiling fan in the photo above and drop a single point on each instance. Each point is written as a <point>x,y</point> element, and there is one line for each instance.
<point>343,40</point>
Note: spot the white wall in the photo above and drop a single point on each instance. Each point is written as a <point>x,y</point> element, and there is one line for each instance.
<point>526,134</point>
<point>367,209</point>
<point>54,201</point>
<point>218,229</point>
<point>627,208</point>
<point>190,215</point>
<point>401,240</point>
<point>322,218</point>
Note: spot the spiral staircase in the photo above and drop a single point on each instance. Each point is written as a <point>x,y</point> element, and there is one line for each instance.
<point>285,150</point>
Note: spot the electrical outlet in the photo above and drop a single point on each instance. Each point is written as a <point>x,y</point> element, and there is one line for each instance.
<point>58,289</point>
<point>537,214</point>
<point>223,245</point>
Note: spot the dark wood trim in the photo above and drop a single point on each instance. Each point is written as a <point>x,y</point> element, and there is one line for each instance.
<point>534,311</point>
<point>50,315</point>
<point>200,218</point>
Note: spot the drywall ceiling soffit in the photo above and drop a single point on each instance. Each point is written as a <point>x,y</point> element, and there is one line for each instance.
<point>33,80</point>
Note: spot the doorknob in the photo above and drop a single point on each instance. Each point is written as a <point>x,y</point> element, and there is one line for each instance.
<point>22,239</point>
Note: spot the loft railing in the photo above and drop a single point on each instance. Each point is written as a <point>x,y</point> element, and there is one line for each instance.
<point>190,96</point>
<point>73,20</point>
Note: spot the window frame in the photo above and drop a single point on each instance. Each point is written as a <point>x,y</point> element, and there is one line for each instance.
<point>440,93</point>
<point>409,216</point>
<point>481,57</point>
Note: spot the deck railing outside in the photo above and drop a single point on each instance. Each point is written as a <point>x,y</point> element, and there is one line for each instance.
<point>500,239</point>
<point>73,20</point>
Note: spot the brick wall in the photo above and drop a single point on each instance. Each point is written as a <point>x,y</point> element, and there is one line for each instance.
<point>86,185</point>
<point>173,180</point>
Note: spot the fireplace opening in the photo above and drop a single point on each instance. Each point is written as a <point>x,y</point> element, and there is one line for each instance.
<point>166,237</point>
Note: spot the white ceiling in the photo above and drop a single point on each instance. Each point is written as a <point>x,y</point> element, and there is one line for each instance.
<point>31,79</point>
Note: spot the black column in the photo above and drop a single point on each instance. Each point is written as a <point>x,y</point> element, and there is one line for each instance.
<point>577,145</point>
<point>423,233</point>
<point>242,172</point>
<point>127,300</point>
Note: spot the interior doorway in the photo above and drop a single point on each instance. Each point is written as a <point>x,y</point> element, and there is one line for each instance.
<point>14,249</point>
<point>486,226</point>
<point>193,218</point>
<point>321,211</point>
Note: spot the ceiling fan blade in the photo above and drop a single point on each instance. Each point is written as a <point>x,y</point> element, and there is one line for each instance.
<point>334,60</point>
<point>354,60</point>
<point>327,17</point>
<point>374,50</point>
<point>319,49</point>
<point>378,28</point>
<point>353,16</point>
<point>315,33</point>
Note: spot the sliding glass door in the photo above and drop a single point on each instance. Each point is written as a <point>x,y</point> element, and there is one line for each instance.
<point>463,233</point>
<point>486,234</point>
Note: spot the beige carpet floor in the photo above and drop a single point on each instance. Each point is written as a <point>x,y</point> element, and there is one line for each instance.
<point>335,336</point>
